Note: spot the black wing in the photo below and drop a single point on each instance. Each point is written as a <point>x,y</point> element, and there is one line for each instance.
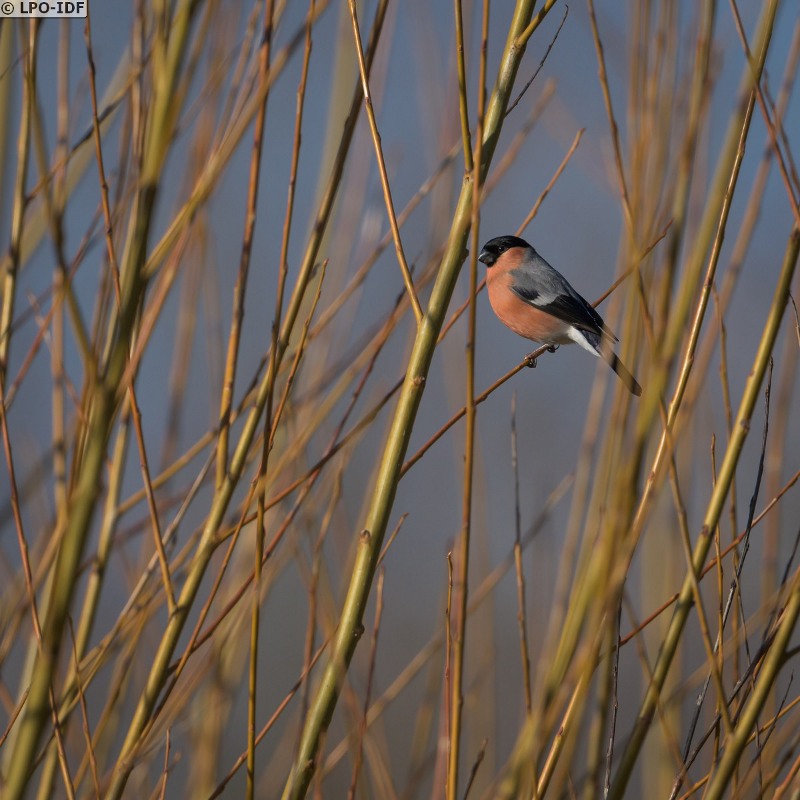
<point>571,308</point>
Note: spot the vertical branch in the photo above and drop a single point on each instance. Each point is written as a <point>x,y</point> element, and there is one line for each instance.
<point>462,562</point>
<point>230,371</point>
<point>448,668</point>
<point>60,280</point>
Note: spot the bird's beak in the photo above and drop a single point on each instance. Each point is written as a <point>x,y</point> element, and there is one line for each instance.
<point>486,257</point>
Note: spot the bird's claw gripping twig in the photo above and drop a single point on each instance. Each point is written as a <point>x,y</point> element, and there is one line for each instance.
<point>530,359</point>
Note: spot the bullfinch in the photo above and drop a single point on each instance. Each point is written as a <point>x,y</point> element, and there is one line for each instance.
<point>537,302</point>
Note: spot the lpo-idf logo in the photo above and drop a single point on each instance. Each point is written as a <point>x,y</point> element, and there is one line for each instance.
<point>42,9</point>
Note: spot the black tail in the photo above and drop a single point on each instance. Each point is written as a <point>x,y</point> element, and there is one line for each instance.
<point>613,361</point>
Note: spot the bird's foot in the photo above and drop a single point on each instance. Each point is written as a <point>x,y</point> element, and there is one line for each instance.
<point>530,359</point>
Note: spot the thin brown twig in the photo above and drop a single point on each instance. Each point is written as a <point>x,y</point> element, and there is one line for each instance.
<point>612,734</point>
<point>387,192</point>
<point>87,734</point>
<point>163,561</point>
<point>521,604</point>
<point>720,585</point>
<point>523,37</point>
<point>362,728</point>
<point>463,100</point>
<point>538,69</point>
<point>265,50</point>
<point>448,660</point>
<point>796,320</point>
<point>165,769</point>
<point>565,724</point>
<point>612,122</point>
<point>475,766</point>
<point>768,121</point>
<point>556,175</point>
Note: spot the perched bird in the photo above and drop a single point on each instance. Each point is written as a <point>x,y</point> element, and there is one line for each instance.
<point>537,302</point>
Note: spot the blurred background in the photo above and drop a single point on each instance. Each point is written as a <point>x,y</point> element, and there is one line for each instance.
<point>180,92</point>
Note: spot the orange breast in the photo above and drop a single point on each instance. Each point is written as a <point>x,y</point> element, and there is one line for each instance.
<point>521,317</point>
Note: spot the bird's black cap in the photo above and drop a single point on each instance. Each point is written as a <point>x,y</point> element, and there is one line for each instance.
<point>494,248</point>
